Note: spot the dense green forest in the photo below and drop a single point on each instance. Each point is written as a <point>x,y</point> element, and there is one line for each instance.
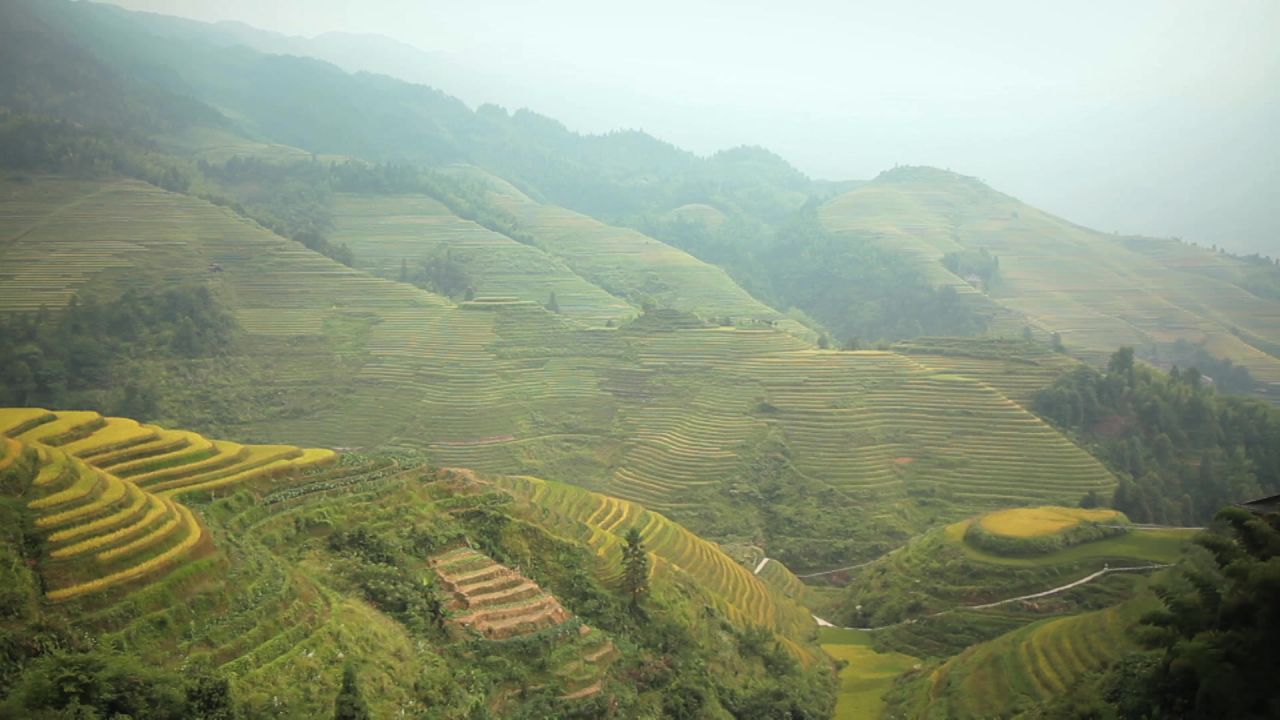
<point>1213,649</point>
<point>1182,449</point>
<point>93,347</point>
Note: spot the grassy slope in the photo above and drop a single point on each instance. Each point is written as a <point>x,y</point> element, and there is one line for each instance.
<point>867,674</point>
<point>1098,291</point>
<point>385,230</point>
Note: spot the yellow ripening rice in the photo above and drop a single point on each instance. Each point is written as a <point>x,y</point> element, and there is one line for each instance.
<point>1046,520</point>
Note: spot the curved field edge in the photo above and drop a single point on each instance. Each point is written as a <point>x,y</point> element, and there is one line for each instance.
<point>1024,667</point>
<point>103,531</point>
<point>600,521</point>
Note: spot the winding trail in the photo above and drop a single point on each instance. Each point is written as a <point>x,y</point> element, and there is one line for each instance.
<point>842,569</point>
<point>1086,579</point>
<point>1106,569</point>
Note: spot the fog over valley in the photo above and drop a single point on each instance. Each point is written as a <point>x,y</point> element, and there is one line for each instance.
<point>1144,117</point>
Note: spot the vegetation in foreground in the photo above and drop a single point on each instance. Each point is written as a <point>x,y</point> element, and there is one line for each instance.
<point>314,590</point>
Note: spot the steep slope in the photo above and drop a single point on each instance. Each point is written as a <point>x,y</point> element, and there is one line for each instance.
<point>1018,369</point>
<point>1098,291</point>
<point>104,495</point>
<point>601,521</point>
<point>388,233</point>
<point>1029,665</point>
<point>629,264</point>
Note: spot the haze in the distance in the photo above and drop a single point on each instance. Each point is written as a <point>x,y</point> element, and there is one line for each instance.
<point>1150,116</point>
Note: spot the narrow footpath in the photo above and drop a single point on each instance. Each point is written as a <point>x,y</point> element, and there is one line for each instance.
<point>1106,569</point>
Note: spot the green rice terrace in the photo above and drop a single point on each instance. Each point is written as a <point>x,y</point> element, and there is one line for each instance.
<point>1106,291</point>
<point>742,432</point>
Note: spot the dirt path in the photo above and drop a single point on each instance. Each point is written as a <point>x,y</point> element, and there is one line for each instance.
<point>1052,591</point>
<point>1086,579</point>
<point>850,567</point>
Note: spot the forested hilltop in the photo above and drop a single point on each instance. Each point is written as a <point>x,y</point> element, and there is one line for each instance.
<point>517,422</point>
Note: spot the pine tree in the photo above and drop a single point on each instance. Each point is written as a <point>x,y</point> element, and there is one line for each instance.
<point>635,567</point>
<point>350,704</point>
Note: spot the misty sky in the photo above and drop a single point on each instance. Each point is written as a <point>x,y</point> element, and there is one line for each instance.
<point>1148,116</point>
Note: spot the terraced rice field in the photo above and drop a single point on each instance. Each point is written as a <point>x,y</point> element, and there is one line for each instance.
<point>219,146</point>
<point>872,422</point>
<point>1040,521</point>
<point>51,253</point>
<point>1037,662</point>
<point>1098,291</point>
<point>493,599</point>
<point>600,521</point>
<point>628,264</point>
<point>500,603</point>
<point>257,610</point>
<point>1017,369</point>
<point>1163,545</point>
<point>384,231</point>
<point>781,579</point>
<point>867,674</point>
<point>107,522</point>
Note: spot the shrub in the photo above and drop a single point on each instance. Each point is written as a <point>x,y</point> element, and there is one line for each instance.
<point>981,538</point>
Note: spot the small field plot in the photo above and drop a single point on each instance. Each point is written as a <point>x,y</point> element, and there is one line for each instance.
<point>1047,520</point>
<point>866,674</point>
